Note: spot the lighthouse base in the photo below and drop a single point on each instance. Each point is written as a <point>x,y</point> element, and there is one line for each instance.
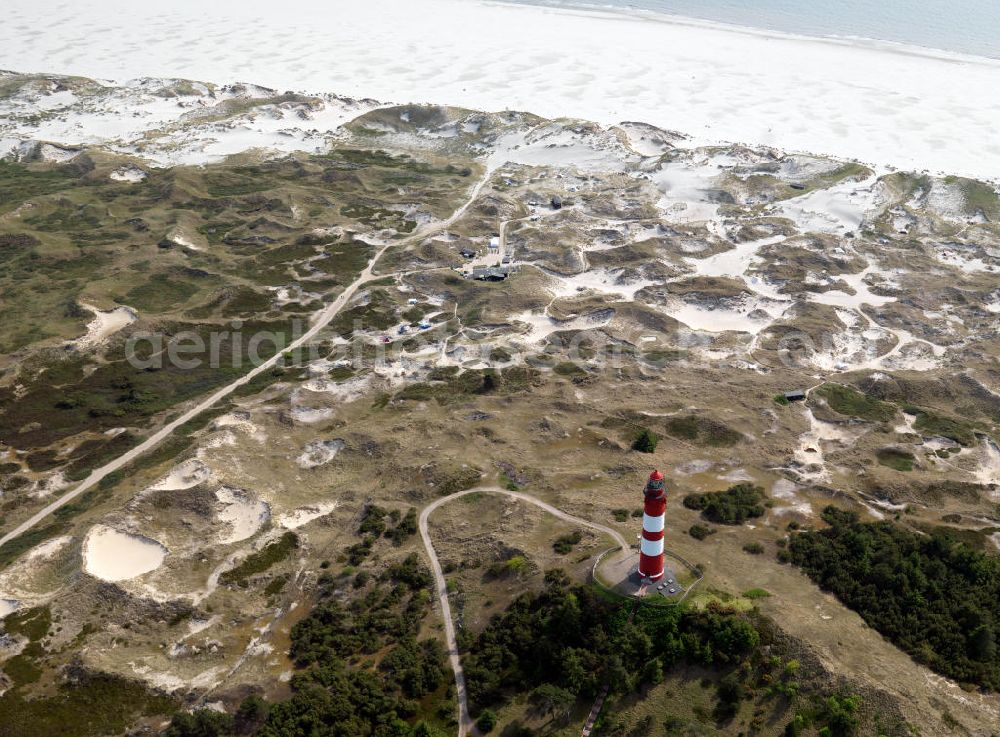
<point>621,574</point>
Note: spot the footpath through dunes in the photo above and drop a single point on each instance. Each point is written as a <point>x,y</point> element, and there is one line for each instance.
<point>319,321</point>
<point>465,722</point>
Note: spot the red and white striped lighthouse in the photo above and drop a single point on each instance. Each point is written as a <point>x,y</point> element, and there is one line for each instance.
<point>653,514</point>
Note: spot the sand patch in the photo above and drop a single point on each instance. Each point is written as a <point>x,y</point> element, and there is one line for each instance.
<point>131,174</point>
<point>311,415</point>
<point>303,515</point>
<point>104,325</point>
<point>240,420</point>
<point>736,476</point>
<point>788,493</point>
<point>47,549</point>
<point>319,452</point>
<point>612,282</point>
<point>690,468</point>
<point>810,453</point>
<point>344,391</point>
<point>989,467</point>
<point>748,313</point>
<point>541,326</point>
<point>184,476</point>
<point>111,555</point>
<point>244,514</point>
<point>839,209</point>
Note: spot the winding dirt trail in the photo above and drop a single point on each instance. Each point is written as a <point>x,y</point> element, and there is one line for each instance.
<point>465,722</point>
<point>319,321</point>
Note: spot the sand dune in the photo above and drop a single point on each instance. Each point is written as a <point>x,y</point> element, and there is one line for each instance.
<point>883,104</point>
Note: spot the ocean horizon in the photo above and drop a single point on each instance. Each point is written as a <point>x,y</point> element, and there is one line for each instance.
<point>885,104</point>
<point>962,26</point>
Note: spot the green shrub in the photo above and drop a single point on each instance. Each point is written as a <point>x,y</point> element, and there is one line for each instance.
<point>895,458</point>
<point>733,506</point>
<point>702,430</point>
<point>260,561</point>
<point>931,423</point>
<point>849,401</point>
<point>487,721</point>
<point>200,723</point>
<point>700,532</point>
<point>566,543</point>
<point>645,441</point>
<point>570,369</point>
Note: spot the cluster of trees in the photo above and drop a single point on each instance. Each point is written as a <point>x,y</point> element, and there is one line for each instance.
<point>931,595</point>
<point>373,525</point>
<point>251,714</point>
<point>565,642</point>
<point>835,716</point>
<point>733,506</point>
<point>362,669</point>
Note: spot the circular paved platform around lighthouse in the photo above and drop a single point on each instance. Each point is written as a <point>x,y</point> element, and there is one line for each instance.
<point>619,572</point>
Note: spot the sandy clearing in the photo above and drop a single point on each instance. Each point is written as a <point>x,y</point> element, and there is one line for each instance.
<point>303,515</point>
<point>319,452</point>
<point>862,292</point>
<point>989,466</point>
<point>105,324</point>
<point>8,606</point>
<point>243,514</point>
<point>788,493</point>
<point>311,415</point>
<point>735,262</point>
<point>611,282</point>
<point>131,174</point>
<point>118,556</point>
<point>810,452</point>
<point>839,209</point>
<point>542,326</point>
<point>184,476</point>
<point>750,315</point>
<point>47,549</point>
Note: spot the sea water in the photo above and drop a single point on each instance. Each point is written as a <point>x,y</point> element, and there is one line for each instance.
<point>963,26</point>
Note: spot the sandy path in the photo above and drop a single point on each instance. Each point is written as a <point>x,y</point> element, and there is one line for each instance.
<point>320,320</point>
<point>465,722</point>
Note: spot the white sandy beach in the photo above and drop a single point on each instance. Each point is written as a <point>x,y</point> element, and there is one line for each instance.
<point>882,104</point>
